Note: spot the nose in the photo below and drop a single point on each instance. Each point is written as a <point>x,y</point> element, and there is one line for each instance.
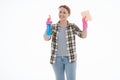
<point>60,14</point>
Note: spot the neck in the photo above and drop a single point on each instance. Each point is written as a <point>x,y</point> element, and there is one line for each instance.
<point>63,23</point>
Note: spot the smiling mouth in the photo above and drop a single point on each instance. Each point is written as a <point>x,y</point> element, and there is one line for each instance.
<point>62,17</point>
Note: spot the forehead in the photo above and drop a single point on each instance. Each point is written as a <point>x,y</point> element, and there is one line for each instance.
<point>63,9</point>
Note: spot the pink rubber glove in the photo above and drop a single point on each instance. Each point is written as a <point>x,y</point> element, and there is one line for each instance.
<point>49,27</point>
<point>84,23</point>
<point>49,20</point>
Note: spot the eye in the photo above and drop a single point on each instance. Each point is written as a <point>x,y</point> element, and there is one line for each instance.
<point>64,12</point>
<point>60,12</point>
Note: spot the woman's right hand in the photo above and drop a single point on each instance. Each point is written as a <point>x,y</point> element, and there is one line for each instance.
<point>46,38</point>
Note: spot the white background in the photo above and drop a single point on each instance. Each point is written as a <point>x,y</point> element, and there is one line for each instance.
<point>24,55</point>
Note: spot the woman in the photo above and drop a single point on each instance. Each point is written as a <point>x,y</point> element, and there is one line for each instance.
<point>63,45</point>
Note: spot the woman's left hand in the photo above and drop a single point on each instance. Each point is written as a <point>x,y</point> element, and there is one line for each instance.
<point>84,21</point>
<point>84,33</point>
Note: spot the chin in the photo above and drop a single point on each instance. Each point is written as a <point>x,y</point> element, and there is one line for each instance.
<point>62,19</point>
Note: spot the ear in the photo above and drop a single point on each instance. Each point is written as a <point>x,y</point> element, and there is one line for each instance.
<point>68,15</point>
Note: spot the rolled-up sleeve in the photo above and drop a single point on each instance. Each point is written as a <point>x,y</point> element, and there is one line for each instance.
<point>77,30</point>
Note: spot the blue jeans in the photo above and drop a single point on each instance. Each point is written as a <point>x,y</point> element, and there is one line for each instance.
<point>62,66</point>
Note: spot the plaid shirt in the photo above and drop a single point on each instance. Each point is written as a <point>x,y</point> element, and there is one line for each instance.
<point>71,31</point>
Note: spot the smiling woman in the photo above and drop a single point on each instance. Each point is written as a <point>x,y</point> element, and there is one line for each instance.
<point>63,51</point>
